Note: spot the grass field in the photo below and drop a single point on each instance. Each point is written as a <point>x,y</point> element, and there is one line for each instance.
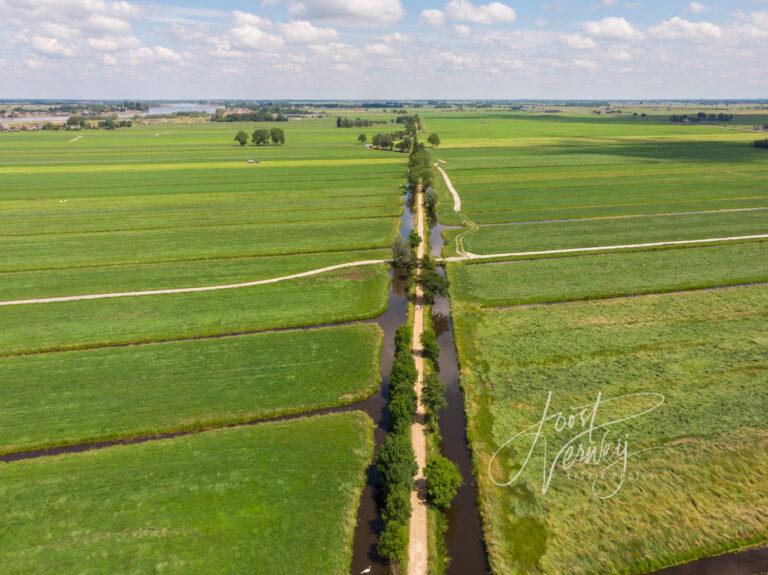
<point>273,499</point>
<point>186,385</point>
<point>704,352</point>
<point>596,276</point>
<point>175,206</point>
<point>553,182</point>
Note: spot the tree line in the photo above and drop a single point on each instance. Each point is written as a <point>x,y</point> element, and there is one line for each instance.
<point>85,122</point>
<point>701,117</point>
<point>761,143</point>
<point>400,141</point>
<point>262,137</point>
<point>344,122</point>
<point>259,115</point>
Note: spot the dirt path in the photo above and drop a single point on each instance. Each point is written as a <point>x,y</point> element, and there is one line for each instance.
<point>75,139</point>
<point>449,185</point>
<point>193,289</point>
<point>471,256</point>
<point>417,543</point>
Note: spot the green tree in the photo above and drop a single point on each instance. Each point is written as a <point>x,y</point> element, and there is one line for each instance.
<point>242,137</point>
<point>430,345</point>
<point>414,239</point>
<point>260,137</point>
<point>432,283</point>
<point>433,398</point>
<point>393,542</point>
<point>402,255</point>
<point>434,139</point>
<point>443,480</point>
<point>277,135</point>
<point>396,463</point>
<point>362,139</point>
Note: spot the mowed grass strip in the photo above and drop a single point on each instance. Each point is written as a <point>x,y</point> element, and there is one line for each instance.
<point>131,247</point>
<point>85,396</point>
<point>578,234</point>
<point>343,295</point>
<point>169,275</point>
<point>270,499</point>
<point>609,274</point>
<point>700,490</point>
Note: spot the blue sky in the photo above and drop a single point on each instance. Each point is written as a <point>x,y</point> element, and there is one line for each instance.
<point>383,49</point>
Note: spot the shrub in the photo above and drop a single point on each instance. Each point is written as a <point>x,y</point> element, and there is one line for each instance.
<point>414,239</point>
<point>396,463</point>
<point>393,543</point>
<point>403,338</point>
<point>402,255</point>
<point>433,398</point>
<point>398,507</point>
<point>431,347</point>
<point>443,480</point>
<point>402,408</point>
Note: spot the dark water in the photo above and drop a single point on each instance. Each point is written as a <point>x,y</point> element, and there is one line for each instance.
<point>364,555</point>
<point>464,537</point>
<point>749,562</point>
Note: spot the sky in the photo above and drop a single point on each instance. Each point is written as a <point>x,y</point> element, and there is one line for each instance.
<point>383,49</point>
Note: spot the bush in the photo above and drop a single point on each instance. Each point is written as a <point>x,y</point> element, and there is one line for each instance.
<point>393,543</point>
<point>402,408</point>
<point>414,239</point>
<point>402,255</point>
<point>431,347</point>
<point>403,338</point>
<point>396,463</point>
<point>433,398</point>
<point>443,480</point>
<point>398,507</point>
<point>761,143</point>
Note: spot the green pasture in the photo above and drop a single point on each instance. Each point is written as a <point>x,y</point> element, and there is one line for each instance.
<point>592,233</point>
<point>356,293</point>
<point>81,396</point>
<point>595,276</point>
<point>698,490</point>
<point>273,499</point>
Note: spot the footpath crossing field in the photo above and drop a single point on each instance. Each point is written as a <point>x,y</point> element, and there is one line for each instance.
<point>183,206</point>
<point>675,332</point>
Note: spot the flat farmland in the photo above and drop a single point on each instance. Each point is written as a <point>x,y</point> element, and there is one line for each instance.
<point>704,352</point>
<point>681,363</point>
<point>274,498</point>
<point>182,386</point>
<point>171,206</point>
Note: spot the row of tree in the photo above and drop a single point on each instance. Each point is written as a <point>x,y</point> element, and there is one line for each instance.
<point>261,137</point>
<point>396,464</point>
<point>260,115</point>
<point>399,141</point>
<point>343,122</point>
<point>110,123</point>
<point>701,117</point>
<point>761,143</point>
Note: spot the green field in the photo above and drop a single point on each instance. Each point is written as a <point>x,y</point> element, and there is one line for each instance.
<point>185,385</point>
<point>596,276</point>
<point>273,499</point>
<point>534,183</point>
<point>700,490</point>
<point>179,205</point>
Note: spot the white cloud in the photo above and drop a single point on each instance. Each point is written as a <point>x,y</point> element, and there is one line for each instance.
<point>108,60</point>
<point>622,56</point>
<point>612,28</point>
<point>163,54</point>
<point>492,13</point>
<point>608,3</point>
<point>395,38</point>
<point>248,19</point>
<point>303,32</point>
<point>432,17</point>
<point>462,30</point>
<point>697,7</point>
<point>678,28</point>
<point>254,38</point>
<point>107,24</point>
<point>379,49</point>
<point>578,42</point>
<point>351,12</point>
<point>51,46</point>
<point>585,64</point>
<point>124,9</point>
<point>113,43</point>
